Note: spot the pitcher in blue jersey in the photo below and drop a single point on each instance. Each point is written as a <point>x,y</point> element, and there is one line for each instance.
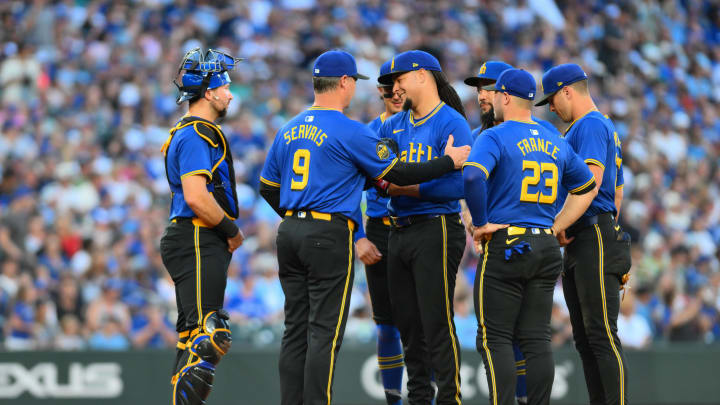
<point>313,176</point>
<point>427,239</point>
<point>597,256</point>
<point>511,184</point>
<point>374,256</point>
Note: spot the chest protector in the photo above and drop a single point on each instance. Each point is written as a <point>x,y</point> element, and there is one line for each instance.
<point>214,136</point>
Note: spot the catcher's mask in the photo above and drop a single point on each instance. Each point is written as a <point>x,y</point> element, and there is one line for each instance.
<point>203,72</point>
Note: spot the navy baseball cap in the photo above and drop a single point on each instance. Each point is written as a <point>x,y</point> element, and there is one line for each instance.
<point>336,63</point>
<point>558,77</point>
<point>384,69</point>
<point>409,61</point>
<point>489,71</point>
<point>516,82</point>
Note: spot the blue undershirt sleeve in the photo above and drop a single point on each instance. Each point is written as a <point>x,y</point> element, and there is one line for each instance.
<point>475,187</point>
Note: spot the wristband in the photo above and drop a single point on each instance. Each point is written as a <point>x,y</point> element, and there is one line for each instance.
<point>227,227</point>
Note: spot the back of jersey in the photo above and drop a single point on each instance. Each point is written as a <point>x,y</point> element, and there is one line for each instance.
<point>320,160</point>
<point>525,163</point>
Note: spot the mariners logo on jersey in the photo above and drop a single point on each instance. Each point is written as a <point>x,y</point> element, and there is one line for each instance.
<point>382,151</point>
<point>315,162</point>
<point>525,163</point>
<point>422,139</point>
<point>376,204</point>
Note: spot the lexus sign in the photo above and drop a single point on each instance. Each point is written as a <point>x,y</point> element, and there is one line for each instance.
<point>92,380</point>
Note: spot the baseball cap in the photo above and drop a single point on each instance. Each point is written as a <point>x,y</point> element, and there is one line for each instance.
<point>489,71</point>
<point>516,82</point>
<point>559,76</point>
<point>336,63</point>
<point>409,61</point>
<point>384,69</point>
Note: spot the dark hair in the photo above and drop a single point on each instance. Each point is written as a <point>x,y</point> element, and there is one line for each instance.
<point>447,93</point>
<point>488,119</point>
<point>323,84</point>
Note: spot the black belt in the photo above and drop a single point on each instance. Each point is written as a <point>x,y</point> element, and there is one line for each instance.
<point>380,220</point>
<point>401,222</point>
<point>585,222</point>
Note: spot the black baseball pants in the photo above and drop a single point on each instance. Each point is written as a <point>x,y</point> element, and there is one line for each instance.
<point>197,259</point>
<point>315,258</point>
<point>513,301</point>
<point>595,263</point>
<point>377,274</point>
<point>424,258</point>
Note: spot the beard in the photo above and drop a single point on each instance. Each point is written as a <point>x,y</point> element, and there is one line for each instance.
<point>407,105</point>
<point>222,113</point>
<point>487,119</point>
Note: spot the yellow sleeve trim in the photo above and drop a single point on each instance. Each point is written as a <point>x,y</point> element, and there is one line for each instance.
<point>619,187</point>
<point>584,186</point>
<point>479,166</point>
<point>197,172</point>
<point>595,162</point>
<point>387,169</point>
<point>268,182</point>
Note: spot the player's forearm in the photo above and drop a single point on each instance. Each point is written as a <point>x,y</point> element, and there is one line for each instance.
<point>205,207</point>
<point>575,206</point>
<point>618,200</point>
<point>475,190</point>
<point>405,174</point>
<point>200,201</point>
<point>447,188</point>
<point>272,196</point>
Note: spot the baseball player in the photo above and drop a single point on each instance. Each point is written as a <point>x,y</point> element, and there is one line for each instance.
<point>427,239</point>
<point>313,176</point>
<point>198,243</point>
<point>511,181</point>
<point>487,75</point>
<point>374,256</point>
<point>597,256</point>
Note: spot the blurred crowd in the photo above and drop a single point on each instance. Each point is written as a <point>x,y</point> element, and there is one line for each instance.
<point>86,99</point>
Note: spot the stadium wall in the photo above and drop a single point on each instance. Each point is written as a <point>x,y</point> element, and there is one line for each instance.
<point>672,375</point>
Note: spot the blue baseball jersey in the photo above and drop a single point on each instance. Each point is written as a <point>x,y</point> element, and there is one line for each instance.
<point>594,139</point>
<point>524,164</point>
<point>189,153</point>
<point>420,140</point>
<point>320,160</point>
<point>475,132</point>
<point>376,205</point>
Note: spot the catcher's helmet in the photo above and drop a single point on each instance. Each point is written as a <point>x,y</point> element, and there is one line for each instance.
<point>203,72</point>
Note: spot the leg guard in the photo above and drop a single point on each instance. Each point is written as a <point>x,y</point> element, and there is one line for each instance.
<point>193,379</point>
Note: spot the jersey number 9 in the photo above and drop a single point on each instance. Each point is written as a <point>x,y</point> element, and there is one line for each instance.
<point>538,169</point>
<point>301,167</point>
